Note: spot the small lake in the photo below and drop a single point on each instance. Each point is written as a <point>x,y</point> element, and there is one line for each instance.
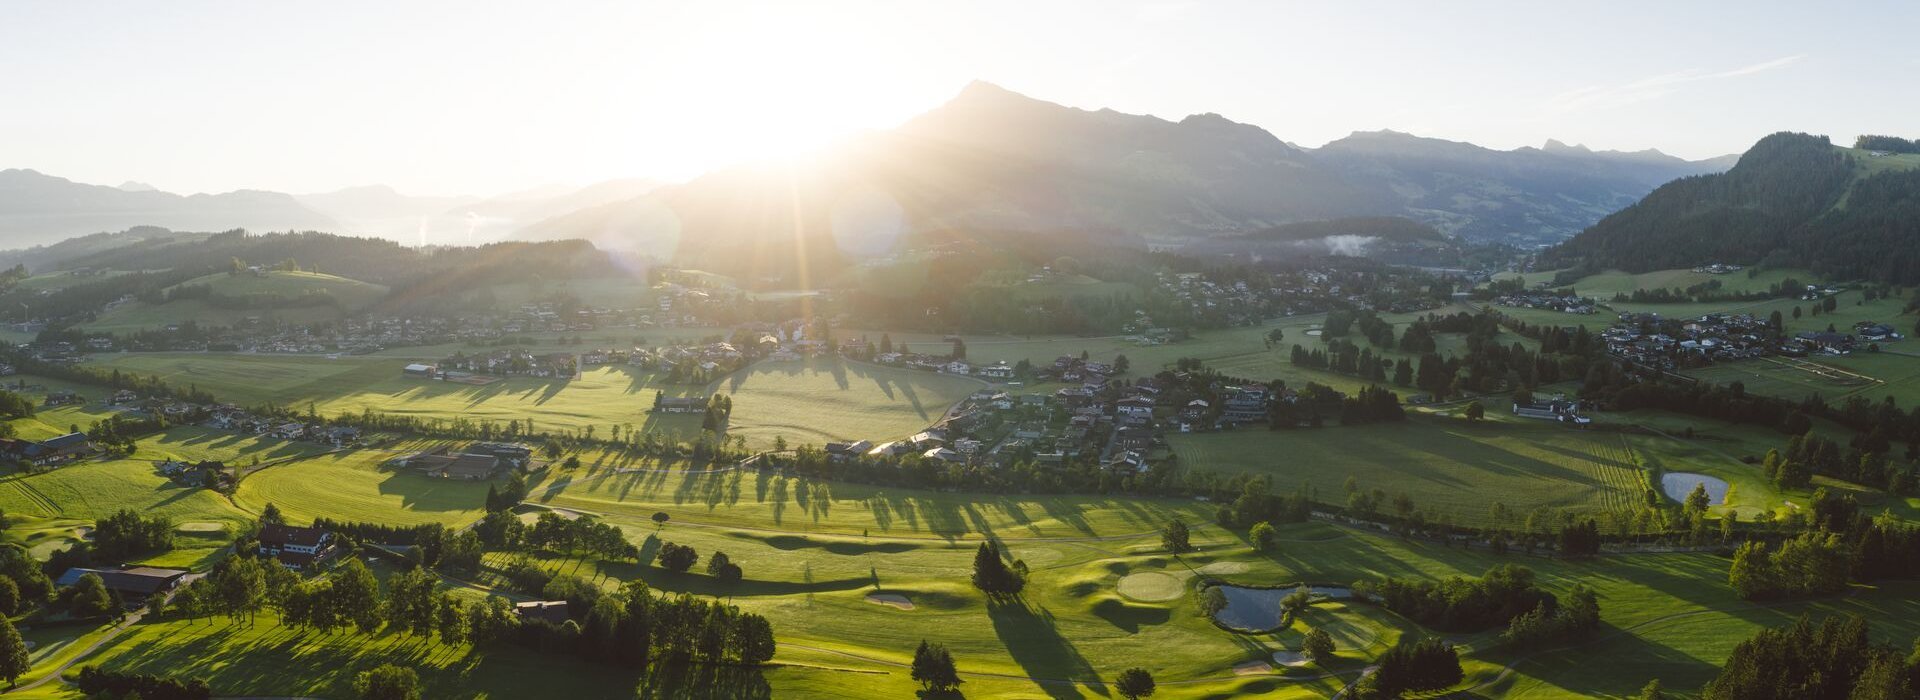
<point>1259,608</point>
<point>1679,484</point>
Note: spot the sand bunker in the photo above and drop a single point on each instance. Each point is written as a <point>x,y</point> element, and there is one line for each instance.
<point>1151,586</point>
<point>1291,658</point>
<point>1252,668</point>
<point>893,600</point>
<point>200,527</point>
<point>1221,568</point>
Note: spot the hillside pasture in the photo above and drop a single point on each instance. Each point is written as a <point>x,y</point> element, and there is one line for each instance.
<point>346,294</point>
<point>1449,468</point>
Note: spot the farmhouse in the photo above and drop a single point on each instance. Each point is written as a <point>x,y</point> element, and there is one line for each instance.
<point>296,547</point>
<point>133,584</point>
<point>59,450</point>
<point>679,404</point>
<point>548,611</point>
<point>1557,409</point>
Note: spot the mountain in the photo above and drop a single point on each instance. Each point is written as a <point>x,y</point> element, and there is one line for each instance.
<point>379,210</point>
<point>1793,200</point>
<point>38,209</point>
<point>1527,196</point>
<point>995,160</point>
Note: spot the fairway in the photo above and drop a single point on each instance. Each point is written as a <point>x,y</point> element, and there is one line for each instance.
<point>1450,468</point>
<point>359,486</point>
<point>811,401</point>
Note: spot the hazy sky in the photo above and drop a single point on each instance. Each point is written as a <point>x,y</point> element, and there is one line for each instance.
<point>479,98</point>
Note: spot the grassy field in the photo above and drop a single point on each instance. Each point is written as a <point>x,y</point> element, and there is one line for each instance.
<point>1448,467</point>
<point>139,315</point>
<point>810,401</point>
<point>359,486</point>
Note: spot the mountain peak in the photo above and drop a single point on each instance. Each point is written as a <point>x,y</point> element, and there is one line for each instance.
<point>137,186</point>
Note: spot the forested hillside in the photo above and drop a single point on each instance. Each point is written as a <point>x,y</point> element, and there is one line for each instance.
<point>1793,198</point>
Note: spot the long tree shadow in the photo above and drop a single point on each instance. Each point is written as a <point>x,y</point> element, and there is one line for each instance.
<point>1032,637</point>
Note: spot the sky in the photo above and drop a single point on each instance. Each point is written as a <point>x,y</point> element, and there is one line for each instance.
<point>483,98</point>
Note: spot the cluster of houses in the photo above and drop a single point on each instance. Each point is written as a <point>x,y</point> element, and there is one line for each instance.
<point>211,474</point>
<point>995,372</point>
<point>1644,339</point>
<point>1543,299</point>
<point>479,461</point>
<point>236,419</point>
<point>1717,268</point>
<point>513,362</point>
<point>1120,426</point>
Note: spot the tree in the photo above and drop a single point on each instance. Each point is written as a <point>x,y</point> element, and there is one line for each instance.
<point>660,518</point>
<point>991,574</point>
<point>1263,537</point>
<point>677,557</point>
<point>933,668</point>
<point>1175,537</point>
<point>88,597</point>
<point>271,514</point>
<point>1318,646</point>
<point>1134,683</point>
<point>9,596</point>
<point>1697,499</point>
<point>720,566</point>
<point>1295,603</point>
<point>388,682</point>
<point>1653,691</point>
<point>1212,601</point>
<point>13,653</point>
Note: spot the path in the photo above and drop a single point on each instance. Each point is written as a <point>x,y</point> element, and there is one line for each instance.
<point>128,621</point>
<point>1066,681</point>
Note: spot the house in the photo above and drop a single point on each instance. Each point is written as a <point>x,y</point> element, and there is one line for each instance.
<point>296,547</point>
<point>957,367</point>
<point>842,451</point>
<point>59,450</point>
<point>134,584</point>
<point>515,454</point>
<point>1245,404</point>
<point>679,404</point>
<point>466,465</point>
<point>1133,438</point>
<point>549,611</point>
<point>1556,409</point>
<point>997,370</point>
<point>891,449</point>
<point>1135,407</point>
<point>942,454</point>
<point>1126,462</point>
<point>416,369</point>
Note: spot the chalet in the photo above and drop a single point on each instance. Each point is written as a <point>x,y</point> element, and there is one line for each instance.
<point>942,454</point>
<point>1194,411</point>
<point>63,398</point>
<point>957,367</point>
<point>1133,438</point>
<point>1126,462</point>
<point>1878,332</point>
<point>1246,404</point>
<point>513,454</point>
<point>134,584</point>
<point>679,404</point>
<point>1135,407</point>
<point>842,451</point>
<point>1831,343</point>
<point>59,450</point>
<point>1556,409</point>
<point>997,370</point>
<point>416,369</point>
<point>296,547</point>
<point>552,612</point>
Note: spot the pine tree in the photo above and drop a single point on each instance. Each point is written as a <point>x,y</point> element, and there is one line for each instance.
<point>13,653</point>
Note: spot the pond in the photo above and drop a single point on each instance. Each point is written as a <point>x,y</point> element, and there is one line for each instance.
<point>1257,609</point>
<point>1679,484</point>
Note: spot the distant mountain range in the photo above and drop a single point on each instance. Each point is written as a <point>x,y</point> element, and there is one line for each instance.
<point>995,160</point>
<point>1794,200</point>
<point>37,209</point>
<point>989,160</point>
